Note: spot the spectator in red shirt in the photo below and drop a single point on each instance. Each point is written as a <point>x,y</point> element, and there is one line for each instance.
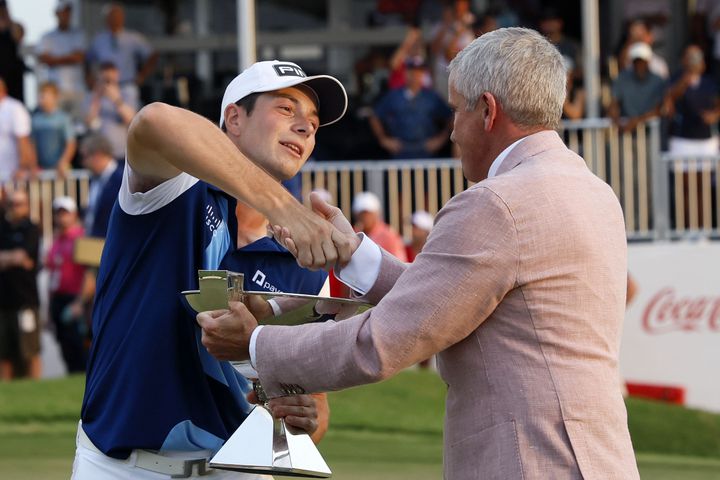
<point>422,223</point>
<point>366,210</point>
<point>66,281</point>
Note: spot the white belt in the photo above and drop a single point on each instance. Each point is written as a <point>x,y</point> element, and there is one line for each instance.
<point>145,459</point>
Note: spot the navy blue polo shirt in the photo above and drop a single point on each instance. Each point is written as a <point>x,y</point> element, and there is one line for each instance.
<point>269,267</point>
<point>150,382</point>
<point>412,119</point>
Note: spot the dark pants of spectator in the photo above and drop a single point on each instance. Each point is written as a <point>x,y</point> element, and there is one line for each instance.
<point>9,336</point>
<point>19,343</point>
<point>69,332</point>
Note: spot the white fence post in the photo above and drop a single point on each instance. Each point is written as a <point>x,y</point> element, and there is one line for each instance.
<point>660,178</point>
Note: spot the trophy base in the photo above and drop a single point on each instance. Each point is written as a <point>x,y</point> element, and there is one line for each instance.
<point>264,445</point>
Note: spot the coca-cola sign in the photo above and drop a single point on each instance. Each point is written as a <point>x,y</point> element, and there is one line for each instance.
<point>669,312</point>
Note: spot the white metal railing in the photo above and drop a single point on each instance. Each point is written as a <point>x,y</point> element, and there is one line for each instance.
<point>662,195</point>
<point>692,203</point>
<point>402,186</point>
<point>624,160</point>
<point>43,189</point>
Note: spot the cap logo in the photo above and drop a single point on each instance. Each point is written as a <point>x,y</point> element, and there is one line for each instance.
<point>287,70</point>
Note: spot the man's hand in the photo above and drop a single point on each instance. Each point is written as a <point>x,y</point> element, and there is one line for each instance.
<point>62,170</point>
<point>112,92</point>
<point>433,144</point>
<point>342,234</point>
<point>310,413</point>
<point>630,125</point>
<point>258,306</point>
<point>316,243</point>
<point>710,116</point>
<point>226,333</point>
<point>391,144</point>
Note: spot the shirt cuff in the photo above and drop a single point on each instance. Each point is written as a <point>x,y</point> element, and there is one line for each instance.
<point>362,271</point>
<point>277,311</point>
<point>253,342</point>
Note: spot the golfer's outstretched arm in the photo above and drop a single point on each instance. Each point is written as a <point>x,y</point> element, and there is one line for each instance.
<point>165,140</point>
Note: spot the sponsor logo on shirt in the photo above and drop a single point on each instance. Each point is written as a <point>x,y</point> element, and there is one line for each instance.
<point>259,278</point>
<point>212,219</point>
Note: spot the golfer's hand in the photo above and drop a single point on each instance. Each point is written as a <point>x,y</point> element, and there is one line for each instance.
<point>226,333</point>
<point>343,236</point>
<point>258,306</point>
<point>310,413</point>
<point>316,243</point>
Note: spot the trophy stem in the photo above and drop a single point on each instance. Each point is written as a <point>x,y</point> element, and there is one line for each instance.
<point>281,450</point>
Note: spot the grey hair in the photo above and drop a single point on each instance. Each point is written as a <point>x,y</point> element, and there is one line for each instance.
<point>522,69</point>
<point>96,143</point>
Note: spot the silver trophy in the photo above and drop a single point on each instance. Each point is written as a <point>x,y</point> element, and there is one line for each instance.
<point>263,444</point>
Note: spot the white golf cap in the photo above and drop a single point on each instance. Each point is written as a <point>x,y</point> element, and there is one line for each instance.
<point>640,50</point>
<point>276,75</point>
<point>64,203</point>
<point>366,202</point>
<point>422,219</point>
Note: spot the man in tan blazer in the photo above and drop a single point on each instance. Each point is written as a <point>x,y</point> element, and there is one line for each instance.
<point>520,290</point>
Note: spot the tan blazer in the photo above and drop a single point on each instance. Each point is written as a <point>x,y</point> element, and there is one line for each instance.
<point>521,288</point>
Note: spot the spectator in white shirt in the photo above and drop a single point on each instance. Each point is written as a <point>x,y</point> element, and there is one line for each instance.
<point>17,155</point>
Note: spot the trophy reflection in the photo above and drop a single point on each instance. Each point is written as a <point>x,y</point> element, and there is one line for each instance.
<point>263,444</point>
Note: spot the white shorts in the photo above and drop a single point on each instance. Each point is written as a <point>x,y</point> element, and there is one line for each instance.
<point>691,147</point>
<point>90,464</point>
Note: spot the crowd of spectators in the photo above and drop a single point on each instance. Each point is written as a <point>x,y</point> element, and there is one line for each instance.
<point>84,89</point>
<point>93,84</point>
<point>638,82</point>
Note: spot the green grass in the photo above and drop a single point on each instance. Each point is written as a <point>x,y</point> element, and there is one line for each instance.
<point>392,430</point>
<point>663,428</point>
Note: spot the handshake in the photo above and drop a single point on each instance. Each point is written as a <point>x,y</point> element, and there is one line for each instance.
<point>319,238</point>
